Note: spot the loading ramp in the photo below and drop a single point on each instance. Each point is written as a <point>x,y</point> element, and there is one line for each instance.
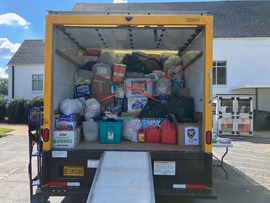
<point>123,176</point>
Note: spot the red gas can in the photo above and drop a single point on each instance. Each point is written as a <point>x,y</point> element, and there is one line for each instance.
<point>168,133</point>
<point>152,134</point>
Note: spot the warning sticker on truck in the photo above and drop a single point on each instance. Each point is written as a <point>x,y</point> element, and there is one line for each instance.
<point>166,168</point>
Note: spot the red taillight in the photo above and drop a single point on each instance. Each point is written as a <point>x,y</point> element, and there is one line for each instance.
<point>46,135</point>
<point>208,137</point>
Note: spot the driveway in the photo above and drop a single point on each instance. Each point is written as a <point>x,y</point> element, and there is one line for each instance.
<point>18,129</point>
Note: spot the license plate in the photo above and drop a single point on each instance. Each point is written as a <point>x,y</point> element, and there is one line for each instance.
<point>73,171</point>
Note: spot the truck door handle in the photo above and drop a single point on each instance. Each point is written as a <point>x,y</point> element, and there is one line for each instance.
<point>211,86</point>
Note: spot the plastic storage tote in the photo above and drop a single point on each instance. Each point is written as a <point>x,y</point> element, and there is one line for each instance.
<point>110,132</point>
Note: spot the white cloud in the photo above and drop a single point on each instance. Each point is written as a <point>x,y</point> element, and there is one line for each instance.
<point>12,19</point>
<point>7,48</point>
<point>120,1</point>
<point>3,73</point>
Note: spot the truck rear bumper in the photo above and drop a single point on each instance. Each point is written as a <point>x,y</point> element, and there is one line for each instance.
<point>185,193</point>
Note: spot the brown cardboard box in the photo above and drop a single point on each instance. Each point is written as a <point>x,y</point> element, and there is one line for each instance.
<point>184,92</point>
<point>101,88</point>
<point>189,134</point>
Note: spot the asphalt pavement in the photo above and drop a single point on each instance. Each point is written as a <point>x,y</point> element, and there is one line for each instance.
<point>247,164</point>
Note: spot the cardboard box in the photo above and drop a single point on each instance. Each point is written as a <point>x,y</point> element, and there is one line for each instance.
<point>101,88</point>
<point>137,84</point>
<point>82,89</point>
<point>66,139</point>
<point>119,72</point>
<point>189,134</point>
<point>183,92</point>
<point>65,122</point>
<point>135,104</point>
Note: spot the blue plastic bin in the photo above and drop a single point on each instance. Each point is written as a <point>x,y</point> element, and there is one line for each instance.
<point>110,132</point>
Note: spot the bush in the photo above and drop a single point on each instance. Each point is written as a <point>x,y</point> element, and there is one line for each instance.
<point>17,109</point>
<point>3,104</point>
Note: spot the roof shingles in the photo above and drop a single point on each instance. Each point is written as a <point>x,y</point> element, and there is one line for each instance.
<point>231,18</point>
<point>30,52</point>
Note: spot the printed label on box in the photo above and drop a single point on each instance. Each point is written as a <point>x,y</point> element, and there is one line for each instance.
<point>191,136</point>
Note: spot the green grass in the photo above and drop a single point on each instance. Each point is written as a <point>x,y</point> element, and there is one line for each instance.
<point>5,131</point>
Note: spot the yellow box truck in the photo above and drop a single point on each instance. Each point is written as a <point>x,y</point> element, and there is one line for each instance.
<point>176,170</point>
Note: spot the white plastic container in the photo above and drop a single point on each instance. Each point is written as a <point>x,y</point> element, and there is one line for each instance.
<point>90,130</point>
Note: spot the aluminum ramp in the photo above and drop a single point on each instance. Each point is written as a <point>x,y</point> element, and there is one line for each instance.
<point>123,177</point>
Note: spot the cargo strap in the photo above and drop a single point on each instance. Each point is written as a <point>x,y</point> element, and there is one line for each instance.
<point>134,88</point>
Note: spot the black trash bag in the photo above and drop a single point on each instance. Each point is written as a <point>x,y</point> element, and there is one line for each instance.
<point>133,63</point>
<point>182,108</point>
<point>88,65</point>
<point>153,109</point>
<point>151,64</point>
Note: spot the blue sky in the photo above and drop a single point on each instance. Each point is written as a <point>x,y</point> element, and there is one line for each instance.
<point>25,19</point>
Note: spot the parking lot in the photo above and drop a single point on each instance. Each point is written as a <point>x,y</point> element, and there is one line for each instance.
<point>247,163</point>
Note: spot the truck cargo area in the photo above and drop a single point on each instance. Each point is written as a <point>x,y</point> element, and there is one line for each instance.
<point>115,64</point>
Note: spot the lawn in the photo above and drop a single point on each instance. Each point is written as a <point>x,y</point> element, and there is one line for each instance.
<point>5,131</point>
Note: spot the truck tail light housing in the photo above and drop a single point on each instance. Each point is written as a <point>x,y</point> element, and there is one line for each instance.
<point>208,137</point>
<point>46,135</point>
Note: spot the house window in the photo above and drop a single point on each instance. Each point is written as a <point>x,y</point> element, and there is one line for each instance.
<point>37,82</point>
<point>219,72</point>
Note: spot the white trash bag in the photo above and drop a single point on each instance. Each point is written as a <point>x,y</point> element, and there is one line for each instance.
<point>163,86</point>
<point>70,106</point>
<point>172,61</point>
<point>82,75</point>
<point>92,109</point>
<point>131,128</point>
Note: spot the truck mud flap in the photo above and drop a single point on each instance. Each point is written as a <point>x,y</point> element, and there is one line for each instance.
<point>186,193</point>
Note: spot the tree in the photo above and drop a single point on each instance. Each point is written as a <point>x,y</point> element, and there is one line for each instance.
<point>4,86</point>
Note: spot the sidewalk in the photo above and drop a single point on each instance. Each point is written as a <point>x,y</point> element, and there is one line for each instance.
<point>19,129</point>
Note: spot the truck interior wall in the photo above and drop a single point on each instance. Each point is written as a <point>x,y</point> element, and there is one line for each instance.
<point>63,74</point>
<point>194,74</point>
<point>63,69</point>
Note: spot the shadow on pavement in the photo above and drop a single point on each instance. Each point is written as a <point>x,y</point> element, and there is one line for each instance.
<point>238,188</point>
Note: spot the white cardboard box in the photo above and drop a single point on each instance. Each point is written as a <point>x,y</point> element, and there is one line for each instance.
<point>66,139</point>
<point>138,83</point>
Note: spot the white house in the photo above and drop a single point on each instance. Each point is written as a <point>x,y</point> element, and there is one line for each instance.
<point>25,70</point>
